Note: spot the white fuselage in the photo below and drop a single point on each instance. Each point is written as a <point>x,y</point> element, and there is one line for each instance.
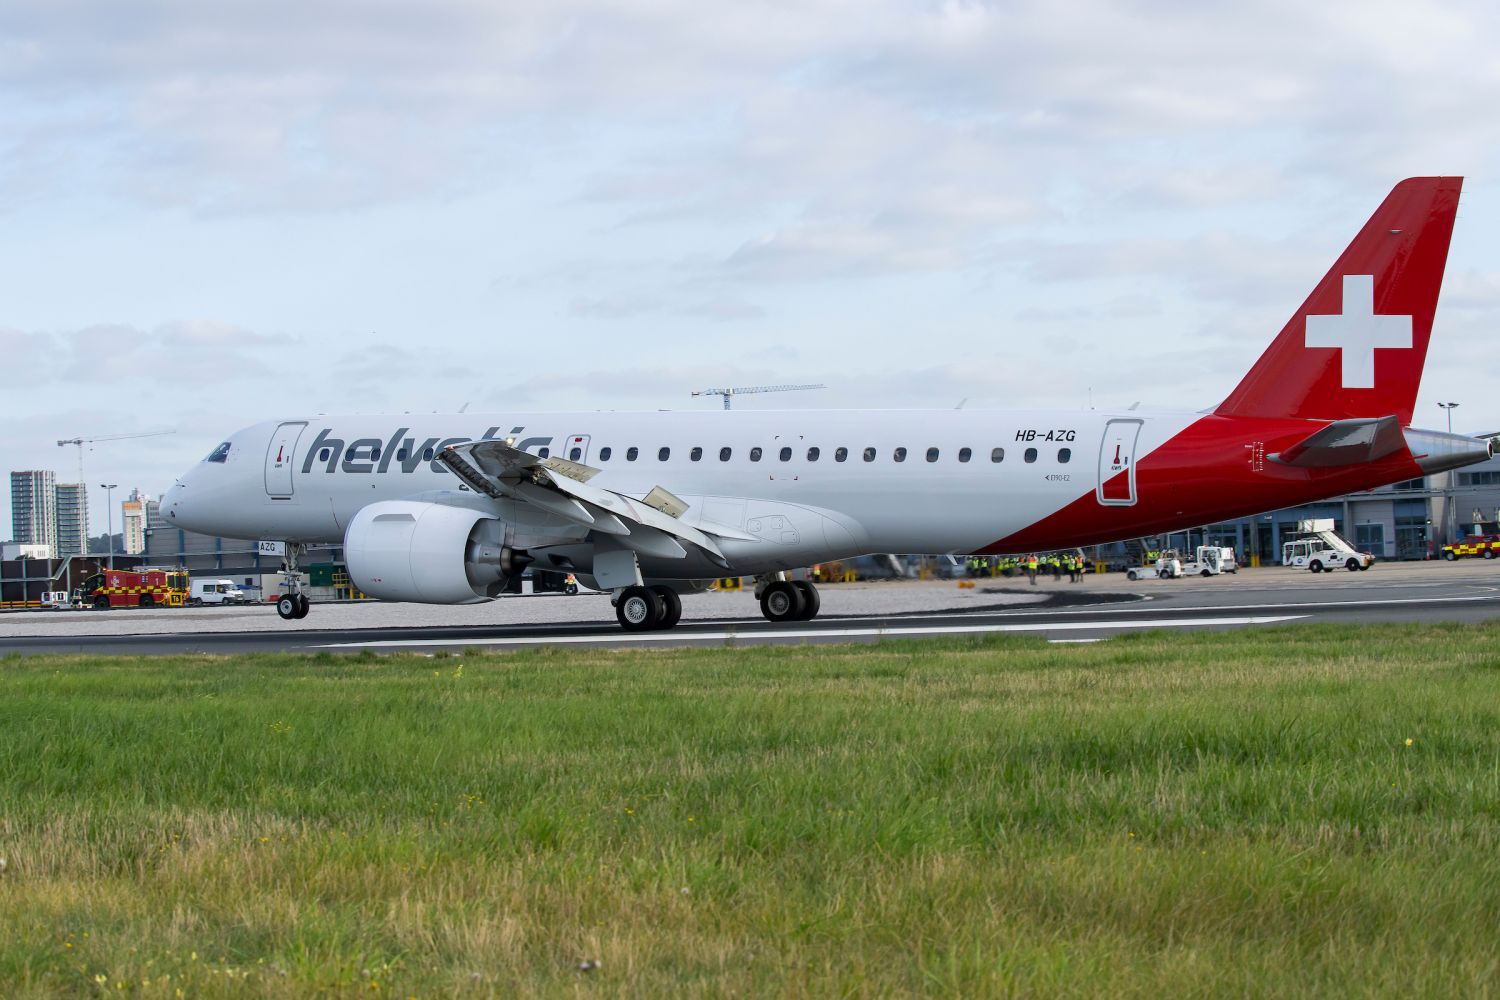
<point>799,481</point>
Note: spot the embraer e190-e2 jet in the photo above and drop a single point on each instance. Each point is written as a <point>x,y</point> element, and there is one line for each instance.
<point>649,506</point>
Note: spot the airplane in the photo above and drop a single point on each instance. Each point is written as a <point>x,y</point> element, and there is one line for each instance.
<point>651,506</point>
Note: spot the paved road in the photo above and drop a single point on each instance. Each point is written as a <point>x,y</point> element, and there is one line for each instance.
<point>1463,592</point>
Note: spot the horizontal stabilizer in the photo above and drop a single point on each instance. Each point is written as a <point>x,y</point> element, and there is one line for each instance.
<point>1345,442</point>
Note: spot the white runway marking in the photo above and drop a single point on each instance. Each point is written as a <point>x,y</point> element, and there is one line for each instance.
<point>833,633</point>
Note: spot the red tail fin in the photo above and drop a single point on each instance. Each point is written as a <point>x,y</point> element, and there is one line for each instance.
<point>1357,345</point>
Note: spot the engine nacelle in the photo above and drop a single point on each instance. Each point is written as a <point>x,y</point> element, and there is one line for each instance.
<point>430,553</point>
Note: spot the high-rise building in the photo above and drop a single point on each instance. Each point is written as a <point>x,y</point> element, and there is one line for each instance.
<point>33,507</point>
<point>72,519</point>
<point>137,513</point>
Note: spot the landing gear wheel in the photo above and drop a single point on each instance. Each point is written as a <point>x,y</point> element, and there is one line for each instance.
<point>638,609</point>
<point>781,602</point>
<point>811,602</point>
<point>303,606</point>
<point>671,607</point>
<point>287,606</point>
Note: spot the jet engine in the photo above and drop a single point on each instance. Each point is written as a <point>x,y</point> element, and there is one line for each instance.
<point>430,553</point>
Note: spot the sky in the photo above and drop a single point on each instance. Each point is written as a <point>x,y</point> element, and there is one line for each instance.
<point>213,214</point>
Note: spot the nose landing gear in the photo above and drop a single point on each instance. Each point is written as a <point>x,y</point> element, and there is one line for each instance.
<point>294,603</point>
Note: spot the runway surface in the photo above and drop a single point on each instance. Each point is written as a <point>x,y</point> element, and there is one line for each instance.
<point>1461,592</point>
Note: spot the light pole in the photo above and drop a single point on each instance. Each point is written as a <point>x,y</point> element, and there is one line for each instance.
<point>109,510</point>
<point>1449,497</point>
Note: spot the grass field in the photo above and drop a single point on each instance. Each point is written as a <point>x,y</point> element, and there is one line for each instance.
<point>1308,810</point>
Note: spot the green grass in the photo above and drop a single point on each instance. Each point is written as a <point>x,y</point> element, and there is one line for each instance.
<point>1233,813</point>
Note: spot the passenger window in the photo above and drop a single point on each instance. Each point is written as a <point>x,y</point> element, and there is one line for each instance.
<point>964,454</point>
<point>632,453</point>
<point>400,454</point>
<point>786,454</point>
<point>605,452</point>
<point>575,454</point>
<point>696,454</point>
<point>932,454</point>
<point>663,454</point>
<point>323,455</point>
<point>869,455</point>
<point>755,454</point>
<point>1030,455</point>
<point>375,453</point>
<point>840,454</point>
<point>725,454</point>
<point>899,454</point>
<point>997,454</point>
<point>1064,455</point>
<point>812,454</point>
<point>544,453</point>
<point>427,455</point>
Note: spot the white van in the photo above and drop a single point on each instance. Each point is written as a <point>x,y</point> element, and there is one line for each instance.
<point>215,592</point>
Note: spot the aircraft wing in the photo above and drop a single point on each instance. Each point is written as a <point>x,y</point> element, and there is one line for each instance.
<point>1345,442</point>
<point>651,525</point>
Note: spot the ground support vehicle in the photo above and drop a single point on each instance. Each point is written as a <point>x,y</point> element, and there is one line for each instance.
<point>1210,560</point>
<point>216,592</point>
<point>61,600</point>
<point>146,588</point>
<point>1484,546</point>
<point>1319,548</point>
<point>1168,566</point>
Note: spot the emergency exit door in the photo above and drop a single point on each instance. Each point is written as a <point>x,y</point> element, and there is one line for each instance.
<point>279,456</point>
<point>576,448</point>
<point>1117,463</point>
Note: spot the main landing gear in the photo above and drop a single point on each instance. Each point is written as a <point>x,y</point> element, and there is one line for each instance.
<point>789,601</point>
<point>294,603</point>
<point>648,609</point>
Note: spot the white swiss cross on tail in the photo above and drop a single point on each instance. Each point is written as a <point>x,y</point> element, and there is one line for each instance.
<point>1357,331</point>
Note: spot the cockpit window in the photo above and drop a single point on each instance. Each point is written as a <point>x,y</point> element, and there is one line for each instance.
<point>219,454</point>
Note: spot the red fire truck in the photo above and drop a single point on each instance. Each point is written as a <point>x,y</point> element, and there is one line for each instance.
<point>145,588</point>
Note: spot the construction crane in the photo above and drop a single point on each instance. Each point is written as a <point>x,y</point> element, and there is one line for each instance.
<point>81,441</point>
<point>746,389</point>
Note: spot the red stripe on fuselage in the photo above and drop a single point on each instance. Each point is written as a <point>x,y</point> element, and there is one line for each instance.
<point>1205,474</point>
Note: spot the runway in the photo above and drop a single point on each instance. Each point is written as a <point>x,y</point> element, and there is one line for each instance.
<point>1465,592</point>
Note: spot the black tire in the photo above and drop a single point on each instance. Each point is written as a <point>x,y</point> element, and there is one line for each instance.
<point>1489,553</point>
<point>638,609</point>
<point>1352,565</point>
<point>147,601</point>
<point>1450,555</point>
<point>811,602</point>
<point>1205,573</point>
<point>1316,566</point>
<point>1131,575</point>
<point>287,606</point>
<point>303,606</point>
<point>101,603</point>
<point>195,602</point>
<point>671,607</point>
<point>781,602</point>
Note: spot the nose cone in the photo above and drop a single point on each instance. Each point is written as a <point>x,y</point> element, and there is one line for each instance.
<point>182,509</point>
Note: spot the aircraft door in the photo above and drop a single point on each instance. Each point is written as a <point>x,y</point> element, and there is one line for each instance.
<point>279,455</point>
<point>1117,463</point>
<point>576,449</point>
